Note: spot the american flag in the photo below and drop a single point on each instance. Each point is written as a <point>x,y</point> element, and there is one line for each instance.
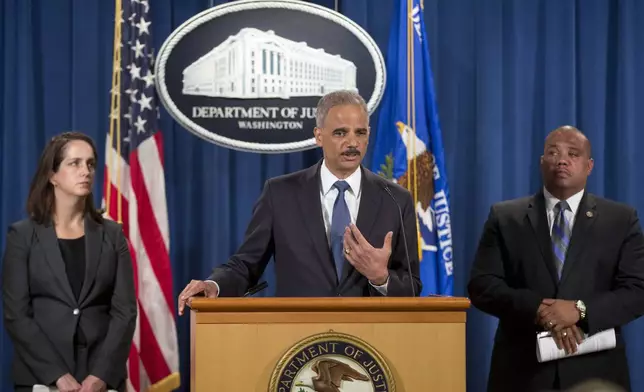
<point>134,194</point>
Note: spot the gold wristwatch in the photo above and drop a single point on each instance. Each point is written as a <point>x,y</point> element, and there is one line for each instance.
<point>581,307</point>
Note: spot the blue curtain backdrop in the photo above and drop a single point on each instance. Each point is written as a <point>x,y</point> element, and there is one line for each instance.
<point>506,72</point>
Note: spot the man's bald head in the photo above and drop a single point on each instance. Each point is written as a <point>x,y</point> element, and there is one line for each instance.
<point>569,129</point>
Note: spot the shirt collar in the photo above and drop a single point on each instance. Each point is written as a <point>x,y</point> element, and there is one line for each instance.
<point>573,201</point>
<point>328,179</point>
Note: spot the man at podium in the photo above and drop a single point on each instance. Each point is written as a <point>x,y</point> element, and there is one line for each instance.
<point>334,229</point>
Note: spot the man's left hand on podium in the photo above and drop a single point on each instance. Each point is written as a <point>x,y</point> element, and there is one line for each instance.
<point>369,261</point>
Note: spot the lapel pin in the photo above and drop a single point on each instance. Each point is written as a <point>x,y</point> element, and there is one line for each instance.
<point>589,214</point>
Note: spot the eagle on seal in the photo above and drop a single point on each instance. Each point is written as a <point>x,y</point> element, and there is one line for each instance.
<point>330,374</point>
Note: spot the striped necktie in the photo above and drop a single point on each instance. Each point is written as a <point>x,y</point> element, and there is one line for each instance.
<point>560,235</point>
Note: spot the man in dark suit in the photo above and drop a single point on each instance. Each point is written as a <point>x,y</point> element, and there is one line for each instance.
<point>333,228</point>
<point>562,260</point>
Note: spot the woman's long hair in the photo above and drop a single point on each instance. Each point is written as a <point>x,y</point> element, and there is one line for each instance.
<point>41,199</point>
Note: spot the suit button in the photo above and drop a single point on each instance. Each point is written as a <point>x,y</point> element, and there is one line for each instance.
<point>76,312</point>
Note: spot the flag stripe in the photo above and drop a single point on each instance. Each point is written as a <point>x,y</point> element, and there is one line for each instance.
<point>114,195</point>
<point>152,356</point>
<point>133,369</point>
<point>152,173</point>
<point>133,359</point>
<point>150,290</point>
<point>128,384</point>
<point>151,236</point>
<point>117,167</point>
<point>158,138</point>
<point>145,380</point>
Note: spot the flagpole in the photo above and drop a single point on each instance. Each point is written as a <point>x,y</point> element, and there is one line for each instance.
<point>413,100</point>
<point>117,64</point>
<point>408,91</point>
<point>412,178</point>
<point>115,115</point>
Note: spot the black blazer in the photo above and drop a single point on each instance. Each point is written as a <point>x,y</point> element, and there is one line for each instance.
<point>41,313</point>
<point>514,270</point>
<point>287,223</point>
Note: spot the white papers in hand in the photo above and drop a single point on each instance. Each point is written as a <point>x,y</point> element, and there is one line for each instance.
<point>547,348</point>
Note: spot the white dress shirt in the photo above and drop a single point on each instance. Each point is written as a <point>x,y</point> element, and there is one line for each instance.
<point>573,202</point>
<point>328,194</point>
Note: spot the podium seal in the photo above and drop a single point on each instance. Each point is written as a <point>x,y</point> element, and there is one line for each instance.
<point>334,362</point>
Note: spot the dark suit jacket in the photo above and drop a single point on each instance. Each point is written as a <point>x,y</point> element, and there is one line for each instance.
<point>287,223</point>
<point>42,314</point>
<point>514,270</point>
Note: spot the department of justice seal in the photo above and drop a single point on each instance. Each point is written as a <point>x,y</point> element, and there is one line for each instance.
<point>248,74</point>
<point>332,361</point>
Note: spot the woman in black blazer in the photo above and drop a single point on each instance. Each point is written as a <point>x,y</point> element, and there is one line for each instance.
<point>68,288</point>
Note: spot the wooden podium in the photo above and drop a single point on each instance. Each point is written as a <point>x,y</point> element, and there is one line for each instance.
<point>365,344</point>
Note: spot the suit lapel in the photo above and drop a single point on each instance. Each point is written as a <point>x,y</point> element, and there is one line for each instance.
<point>370,200</point>
<point>47,237</point>
<point>93,243</point>
<point>311,207</point>
<point>539,221</point>
<point>586,216</point>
